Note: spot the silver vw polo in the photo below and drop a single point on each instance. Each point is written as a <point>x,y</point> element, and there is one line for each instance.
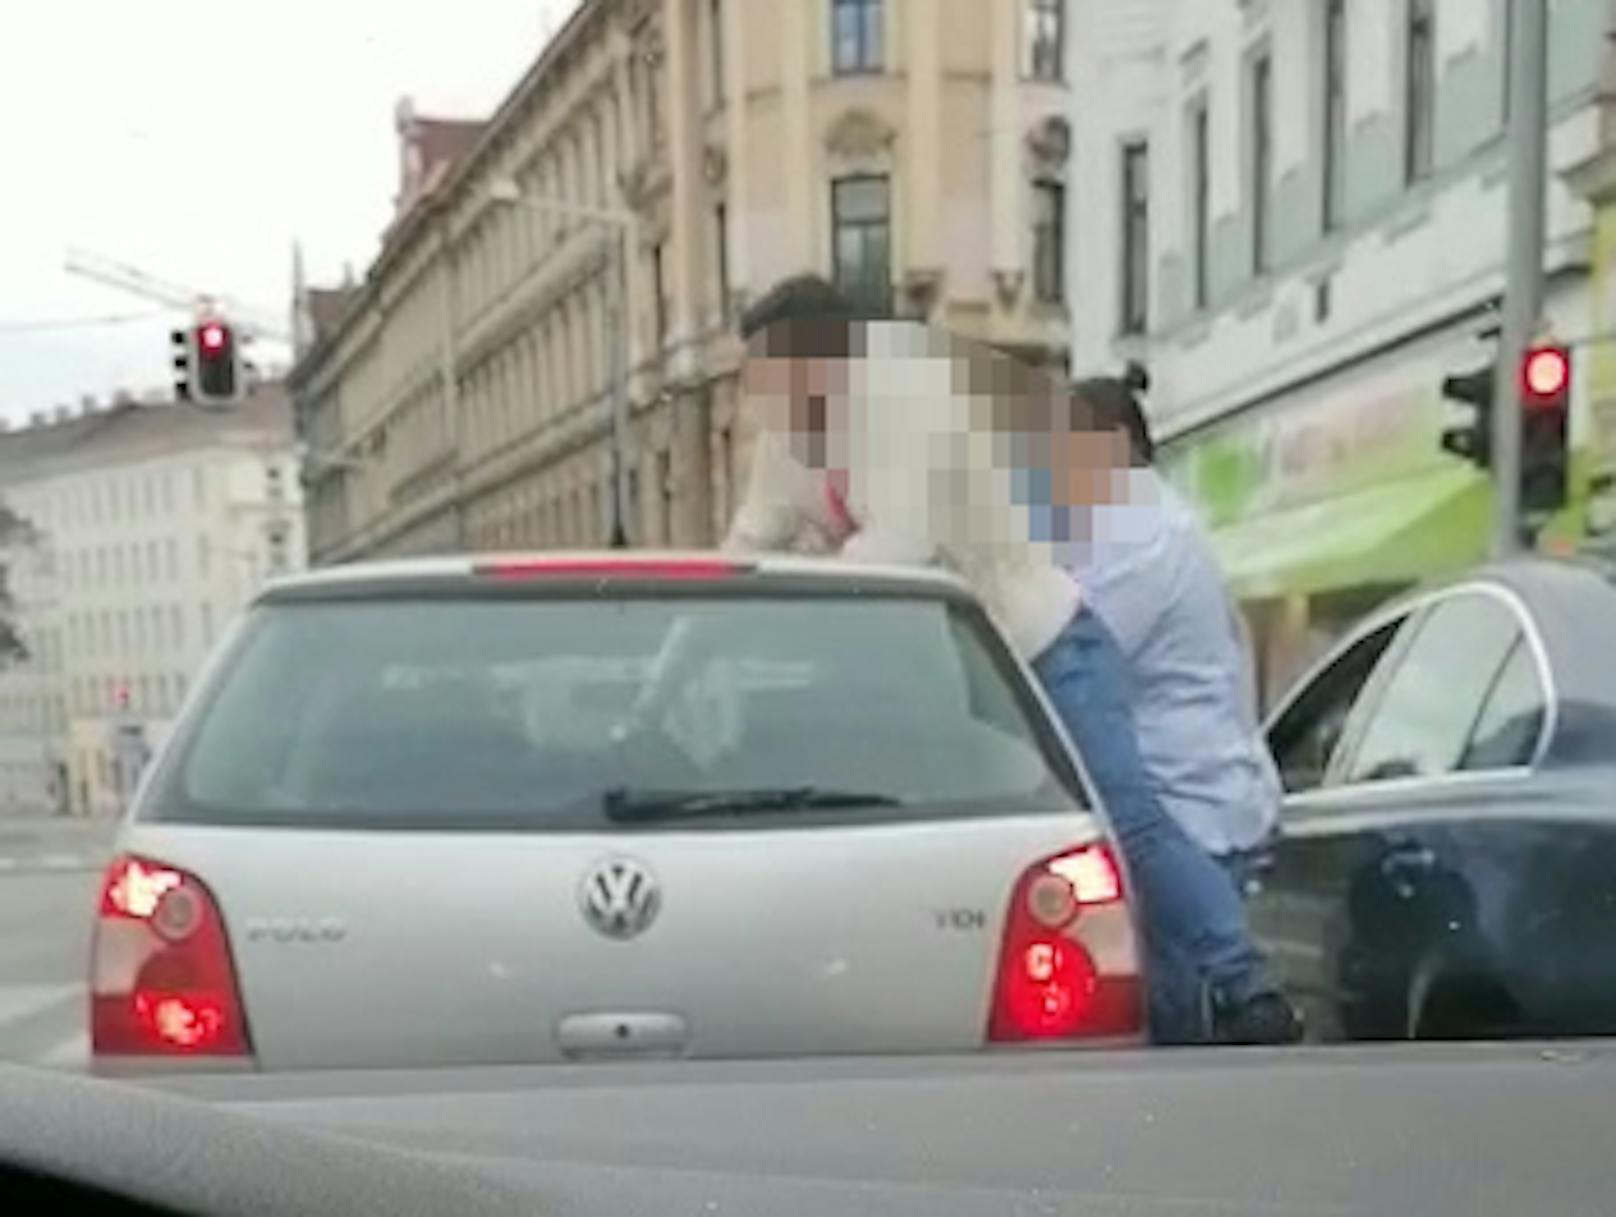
<point>526,809</point>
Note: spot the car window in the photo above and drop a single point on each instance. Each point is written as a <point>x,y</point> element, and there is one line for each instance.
<point>1433,697</point>
<point>1307,734</point>
<point>454,712</point>
<point>1506,734</point>
<point>988,696</point>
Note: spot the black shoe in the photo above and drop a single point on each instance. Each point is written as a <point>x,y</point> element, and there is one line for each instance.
<point>1264,1018</point>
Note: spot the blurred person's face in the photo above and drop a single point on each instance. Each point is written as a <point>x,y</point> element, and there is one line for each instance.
<point>1059,456</point>
<point>804,395</point>
<point>1089,468</point>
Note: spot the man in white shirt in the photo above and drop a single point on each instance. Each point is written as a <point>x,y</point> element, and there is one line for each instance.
<point>896,443</point>
<point>1148,571</point>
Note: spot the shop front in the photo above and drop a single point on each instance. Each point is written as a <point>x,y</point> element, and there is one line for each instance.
<point>1328,501</point>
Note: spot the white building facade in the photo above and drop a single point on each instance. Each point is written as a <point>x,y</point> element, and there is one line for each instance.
<point>1293,211</point>
<point>156,524</point>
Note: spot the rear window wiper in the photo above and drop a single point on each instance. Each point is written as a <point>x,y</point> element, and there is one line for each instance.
<point>626,805</point>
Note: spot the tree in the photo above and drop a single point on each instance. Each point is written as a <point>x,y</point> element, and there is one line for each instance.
<point>14,531</point>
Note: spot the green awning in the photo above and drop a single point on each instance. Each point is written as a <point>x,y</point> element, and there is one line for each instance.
<point>1393,532</point>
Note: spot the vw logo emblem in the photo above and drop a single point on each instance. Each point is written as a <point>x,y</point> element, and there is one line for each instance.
<point>620,898</point>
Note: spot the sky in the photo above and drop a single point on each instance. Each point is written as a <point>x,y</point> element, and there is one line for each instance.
<point>198,141</point>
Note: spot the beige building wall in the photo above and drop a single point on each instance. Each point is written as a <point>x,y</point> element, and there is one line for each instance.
<point>463,398</point>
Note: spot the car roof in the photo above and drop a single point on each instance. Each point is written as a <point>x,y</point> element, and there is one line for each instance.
<point>1571,603</point>
<point>641,567</point>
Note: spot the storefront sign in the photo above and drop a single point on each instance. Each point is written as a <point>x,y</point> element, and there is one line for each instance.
<point>1305,451</point>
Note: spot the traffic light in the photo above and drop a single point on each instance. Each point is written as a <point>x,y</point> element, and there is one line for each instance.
<point>181,341</point>
<point>1472,439</point>
<point>208,365</point>
<point>216,369</point>
<point>1545,387</point>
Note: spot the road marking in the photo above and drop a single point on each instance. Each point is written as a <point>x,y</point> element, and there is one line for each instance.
<point>21,1002</point>
<point>49,862</point>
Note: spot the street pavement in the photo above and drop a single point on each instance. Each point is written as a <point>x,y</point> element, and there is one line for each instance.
<point>49,869</point>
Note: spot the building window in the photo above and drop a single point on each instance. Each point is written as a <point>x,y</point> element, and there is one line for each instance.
<point>653,98</point>
<point>1334,79</point>
<point>1049,242</point>
<point>1135,237</point>
<point>1419,91</point>
<point>1200,175</point>
<point>715,48</point>
<point>659,295</point>
<point>726,474</point>
<point>721,254</point>
<point>1503,36</point>
<point>861,221</point>
<point>664,490</point>
<point>856,36</point>
<point>1262,156</point>
<point>1046,39</point>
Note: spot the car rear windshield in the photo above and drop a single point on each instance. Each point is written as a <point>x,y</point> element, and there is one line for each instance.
<point>544,714</point>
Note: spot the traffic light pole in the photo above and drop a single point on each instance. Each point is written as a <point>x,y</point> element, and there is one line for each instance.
<point>1523,288</point>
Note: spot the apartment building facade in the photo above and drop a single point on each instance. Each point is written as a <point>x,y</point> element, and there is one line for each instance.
<point>459,398</point>
<point>1294,213</point>
<point>150,527</point>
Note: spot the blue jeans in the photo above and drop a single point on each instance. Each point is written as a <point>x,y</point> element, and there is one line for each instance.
<point>1190,908</point>
<point>1178,1013</point>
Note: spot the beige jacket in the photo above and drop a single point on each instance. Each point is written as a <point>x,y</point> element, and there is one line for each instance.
<point>929,481</point>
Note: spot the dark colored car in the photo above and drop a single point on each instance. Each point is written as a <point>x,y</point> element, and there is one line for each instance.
<point>1446,861</point>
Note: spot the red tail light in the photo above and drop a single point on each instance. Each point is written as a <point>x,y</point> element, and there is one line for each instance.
<point>1069,963</point>
<point>163,983</point>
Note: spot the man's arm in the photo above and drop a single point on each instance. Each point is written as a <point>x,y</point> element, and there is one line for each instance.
<point>773,511</point>
<point>888,546</point>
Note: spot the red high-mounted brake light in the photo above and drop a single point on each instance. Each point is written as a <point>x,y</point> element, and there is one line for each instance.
<point>162,979</point>
<point>609,568</point>
<point>1069,962</point>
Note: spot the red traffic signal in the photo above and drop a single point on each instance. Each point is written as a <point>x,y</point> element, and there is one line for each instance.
<point>1545,387</point>
<point>211,338</point>
<point>1545,377</point>
<point>216,369</point>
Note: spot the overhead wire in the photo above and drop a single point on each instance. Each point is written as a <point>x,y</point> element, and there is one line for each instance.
<point>75,323</point>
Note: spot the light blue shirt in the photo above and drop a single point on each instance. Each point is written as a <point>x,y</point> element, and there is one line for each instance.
<point>1148,572</point>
